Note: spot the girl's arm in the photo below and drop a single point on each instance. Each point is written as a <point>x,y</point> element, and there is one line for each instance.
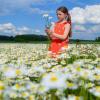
<point>52,30</point>
<point>62,37</point>
<point>48,35</point>
<point>49,31</point>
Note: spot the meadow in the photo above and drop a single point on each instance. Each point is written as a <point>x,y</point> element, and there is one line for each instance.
<point>27,73</point>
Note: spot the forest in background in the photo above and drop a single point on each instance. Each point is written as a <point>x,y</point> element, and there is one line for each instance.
<point>38,38</point>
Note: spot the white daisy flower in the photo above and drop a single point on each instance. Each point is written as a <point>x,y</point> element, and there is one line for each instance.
<point>54,80</point>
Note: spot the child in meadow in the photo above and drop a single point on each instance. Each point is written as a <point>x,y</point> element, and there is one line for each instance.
<point>60,33</point>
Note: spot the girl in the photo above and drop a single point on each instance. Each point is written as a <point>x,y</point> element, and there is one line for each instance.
<point>60,33</point>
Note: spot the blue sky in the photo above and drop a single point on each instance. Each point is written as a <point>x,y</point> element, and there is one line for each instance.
<point>25,16</point>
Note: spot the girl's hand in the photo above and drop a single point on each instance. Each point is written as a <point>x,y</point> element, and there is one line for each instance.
<point>48,31</point>
<point>50,34</point>
<point>53,37</point>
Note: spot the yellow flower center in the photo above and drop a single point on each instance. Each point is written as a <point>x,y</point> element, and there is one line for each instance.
<point>17,86</point>
<point>31,97</point>
<point>1,86</point>
<point>70,84</point>
<point>77,98</point>
<point>18,72</point>
<point>97,88</point>
<point>24,94</point>
<point>54,78</point>
<point>97,77</point>
<point>78,69</point>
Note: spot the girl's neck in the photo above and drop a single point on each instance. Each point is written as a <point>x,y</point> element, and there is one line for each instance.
<point>62,21</point>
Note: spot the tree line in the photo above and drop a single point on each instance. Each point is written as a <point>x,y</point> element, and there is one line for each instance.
<point>33,37</point>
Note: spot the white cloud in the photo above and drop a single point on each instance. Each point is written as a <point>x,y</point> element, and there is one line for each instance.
<point>9,6</point>
<point>84,36</point>
<point>7,26</point>
<point>23,30</point>
<point>37,31</point>
<point>93,14</point>
<point>79,27</point>
<point>77,15</point>
<point>79,30</point>
<point>40,11</point>
<point>89,14</point>
<point>86,28</point>
<point>86,31</point>
<point>9,29</point>
<point>95,29</point>
<point>86,22</point>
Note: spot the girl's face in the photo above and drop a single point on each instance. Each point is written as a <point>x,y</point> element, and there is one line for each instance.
<point>61,16</point>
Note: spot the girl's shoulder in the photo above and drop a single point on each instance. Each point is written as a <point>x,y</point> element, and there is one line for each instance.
<point>69,22</point>
<point>65,22</point>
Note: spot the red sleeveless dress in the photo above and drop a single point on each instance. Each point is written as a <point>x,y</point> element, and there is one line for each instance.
<point>57,44</point>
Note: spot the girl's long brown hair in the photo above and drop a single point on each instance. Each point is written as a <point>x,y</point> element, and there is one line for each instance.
<point>65,11</point>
